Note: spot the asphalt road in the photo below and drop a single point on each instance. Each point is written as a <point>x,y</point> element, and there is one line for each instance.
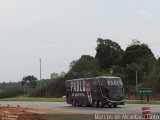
<point>121,109</point>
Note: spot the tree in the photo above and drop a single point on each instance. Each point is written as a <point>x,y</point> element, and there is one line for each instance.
<point>108,53</point>
<point>158,61</point>
<point>153,78</point>
<point>138,53</point>
<point>56,88</point>
<point>86,66</point>
<point>130,71</point>
<point>30,80</point>
<point>138,57</point>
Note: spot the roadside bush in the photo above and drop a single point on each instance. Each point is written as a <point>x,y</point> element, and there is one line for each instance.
<point>11,92</point>
<point>54,89</point>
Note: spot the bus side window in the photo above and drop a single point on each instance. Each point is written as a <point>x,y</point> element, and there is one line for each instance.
<point>68,86</point>
<point>102,82</point>
<point>94,83</point>
<point>94,86</point>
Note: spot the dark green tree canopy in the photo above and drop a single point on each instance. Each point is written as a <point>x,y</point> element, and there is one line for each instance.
<point>108,53</point>
<point>138,57</point>
<point>85,66</point>
<point>137,53</point>
<point>153,78</point>
<point>30,80</point>
<point>158,61</point>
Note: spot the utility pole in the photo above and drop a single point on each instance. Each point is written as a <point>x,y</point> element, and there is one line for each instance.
<point>40,75</point>
<point>136,82</point>
<point>40,60</point>
<point>46,90</point>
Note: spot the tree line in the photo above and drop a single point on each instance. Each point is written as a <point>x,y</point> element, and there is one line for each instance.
<point>110,60</point>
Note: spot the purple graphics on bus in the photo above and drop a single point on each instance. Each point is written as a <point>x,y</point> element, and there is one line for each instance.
<point>88,92</point>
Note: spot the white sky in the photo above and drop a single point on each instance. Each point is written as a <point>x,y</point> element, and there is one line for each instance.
<point>60,31</point>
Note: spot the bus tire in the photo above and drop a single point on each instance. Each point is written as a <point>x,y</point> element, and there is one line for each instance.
<point>79,105</point>
<point>114,105</point>
<point>74,103</point>
<point>109,106</point>
<point>101,104</point>
<point>96,103</point>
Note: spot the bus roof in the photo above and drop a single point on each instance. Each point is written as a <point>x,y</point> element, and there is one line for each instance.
<point>107,77</point>
<point>93,78</point>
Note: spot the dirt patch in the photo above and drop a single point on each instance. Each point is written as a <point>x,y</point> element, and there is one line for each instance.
<point>18,113</point>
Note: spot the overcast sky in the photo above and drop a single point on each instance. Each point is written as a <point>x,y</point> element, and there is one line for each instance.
<point>59,31</point>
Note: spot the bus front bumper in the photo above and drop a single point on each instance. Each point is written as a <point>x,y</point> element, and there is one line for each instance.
<point>111,102</point>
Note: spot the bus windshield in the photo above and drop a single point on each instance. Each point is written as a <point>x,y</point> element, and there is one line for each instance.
<point>116,93</point>
<point>111,88</point>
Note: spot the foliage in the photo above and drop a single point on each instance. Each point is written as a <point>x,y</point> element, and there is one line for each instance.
<point>29,80</point>
<point>130,72</point>
<point>158,61</point>
<point>138,53</point>
<point>110,59</point>
<point>86,66</point>
<point>4,85</point>
<point>108,53</point>
<point>138,57</point>
<point>11,92</point>
<point>55,89</point>
<point>153,78</point>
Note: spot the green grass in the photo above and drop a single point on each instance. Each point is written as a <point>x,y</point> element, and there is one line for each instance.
<point>142,102</point>
<point>34,99</point>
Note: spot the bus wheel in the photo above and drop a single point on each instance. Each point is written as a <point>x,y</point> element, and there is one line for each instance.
<point>109,106</point>
<point>74,103</point>
<point>77,104</point>
<point>114,105</point>
<point>101,104</point>
<point>96,103</point>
